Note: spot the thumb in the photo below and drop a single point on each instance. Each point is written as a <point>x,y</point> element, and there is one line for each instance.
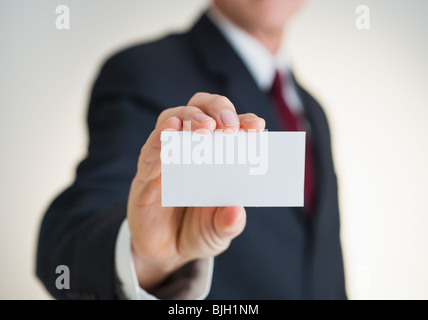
<point>208,231</point>
<point>229,222</point>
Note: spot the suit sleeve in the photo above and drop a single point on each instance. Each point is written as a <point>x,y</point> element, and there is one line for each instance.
<point>80,227</point>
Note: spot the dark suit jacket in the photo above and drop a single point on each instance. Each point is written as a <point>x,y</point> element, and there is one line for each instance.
<point>280,255</point>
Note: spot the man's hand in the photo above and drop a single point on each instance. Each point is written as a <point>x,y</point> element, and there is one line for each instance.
<point>163,238</point>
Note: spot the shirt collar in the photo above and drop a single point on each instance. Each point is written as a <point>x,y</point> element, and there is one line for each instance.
<point>259,61</point>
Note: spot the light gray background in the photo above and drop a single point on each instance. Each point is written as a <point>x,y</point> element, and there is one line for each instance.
<point>373,85</point>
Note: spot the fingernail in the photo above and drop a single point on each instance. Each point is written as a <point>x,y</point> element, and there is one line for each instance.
<point>250,118</point>
<point>229,118</point>
<point>201,117</point>
<point>174,123</point>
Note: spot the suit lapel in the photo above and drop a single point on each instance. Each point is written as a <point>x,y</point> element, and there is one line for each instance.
<point>221,61</point>
<point>321,148</point>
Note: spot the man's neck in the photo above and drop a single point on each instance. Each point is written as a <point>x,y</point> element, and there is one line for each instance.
<point>271,39</point>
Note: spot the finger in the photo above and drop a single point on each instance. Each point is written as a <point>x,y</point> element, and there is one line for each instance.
<point>251,122</point>
<point>218,107</point>
<point>194,119</point>
<point>148,167</point>
<point>144,188</point>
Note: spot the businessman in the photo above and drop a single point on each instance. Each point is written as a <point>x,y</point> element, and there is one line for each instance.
<point>108,227</point>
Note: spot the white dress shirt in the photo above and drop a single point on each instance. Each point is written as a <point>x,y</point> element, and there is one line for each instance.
<point>262,65</point>
<point>260,62</point>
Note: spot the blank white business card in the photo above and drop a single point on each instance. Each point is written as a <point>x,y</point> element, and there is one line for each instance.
<point>263,169</point>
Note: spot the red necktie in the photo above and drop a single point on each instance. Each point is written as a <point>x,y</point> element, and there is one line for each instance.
<point>291,121</point>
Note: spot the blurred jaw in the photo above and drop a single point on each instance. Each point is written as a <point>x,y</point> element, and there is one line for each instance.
<point>264,19</point>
